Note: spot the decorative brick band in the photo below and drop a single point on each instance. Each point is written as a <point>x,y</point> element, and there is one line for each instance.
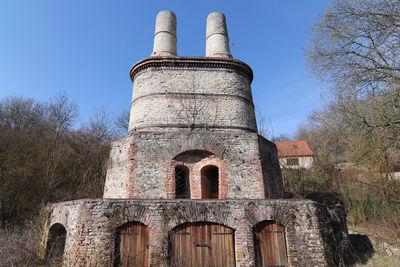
<point>194,94</point>
<point>192,63</point>
<point>195,126</point>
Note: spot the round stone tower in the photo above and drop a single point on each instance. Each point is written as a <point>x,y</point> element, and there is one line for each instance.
<point>172,93</point>
<point>192,130</point>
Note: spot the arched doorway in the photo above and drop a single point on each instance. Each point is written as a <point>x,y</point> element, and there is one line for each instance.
<point>132,245</point>
<point>270,244</point>
<point>202,244</point>
<point>182,184</point>
<point>209,182</point>
<point>55,244</point>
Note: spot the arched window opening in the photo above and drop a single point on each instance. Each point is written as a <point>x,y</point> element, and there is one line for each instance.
<point>182,184</point>
<point>270,244</point>
<point>55,244</point>
<point>202,244</point>
<point>209,182</point>
<point>132,245</point>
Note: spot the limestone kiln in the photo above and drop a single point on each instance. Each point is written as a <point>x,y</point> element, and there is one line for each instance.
<point>192,184</point>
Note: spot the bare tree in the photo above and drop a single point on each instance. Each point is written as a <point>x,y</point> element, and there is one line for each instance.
<point>43,159</point>
<point>264,126</point>
<point>122,122</point>
<point>281,137</point>
<point>20,114</point>
<point>356,47</point>
<point>355,51</point>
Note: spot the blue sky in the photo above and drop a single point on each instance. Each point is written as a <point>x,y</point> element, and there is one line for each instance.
<point>86,48</point>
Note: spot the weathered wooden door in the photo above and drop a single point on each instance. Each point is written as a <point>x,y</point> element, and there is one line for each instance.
<point>270,244</point>
<point>133,245</point>
<point>202,245</point>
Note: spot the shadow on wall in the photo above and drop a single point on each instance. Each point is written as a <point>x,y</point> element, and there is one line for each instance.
<point>341,248</point>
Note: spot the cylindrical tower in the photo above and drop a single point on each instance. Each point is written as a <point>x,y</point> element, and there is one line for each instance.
<point>196,93</point>
<point>210,93</point>
<point>165,34</point>
<point>217,41</point>
<point>192,130</point>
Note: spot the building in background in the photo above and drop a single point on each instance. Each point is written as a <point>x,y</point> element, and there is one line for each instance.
<point>294,154</point>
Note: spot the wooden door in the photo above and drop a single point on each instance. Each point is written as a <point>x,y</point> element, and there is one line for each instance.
<point>133,245</point>
<point>202,245</point>
<point>270,244</point>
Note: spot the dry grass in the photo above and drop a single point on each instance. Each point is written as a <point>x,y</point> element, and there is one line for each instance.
<point>380,235</point>
<point>19,246</point>
<point>377,233</point>
<point>379,260</point>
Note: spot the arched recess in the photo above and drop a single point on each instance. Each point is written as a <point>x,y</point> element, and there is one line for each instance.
<point>182,183</point>
<point>192,156</point>
<point>270,244</point>
<point>55,244</point>
<point>209,182</point>
<point>202,244</point>
<point>132,245</point>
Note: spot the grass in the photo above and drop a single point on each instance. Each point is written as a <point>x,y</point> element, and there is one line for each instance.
<point>379,260</point>
<point>378,234</point>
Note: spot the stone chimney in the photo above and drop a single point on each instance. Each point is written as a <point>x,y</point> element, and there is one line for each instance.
<point>217,41</point>
<point>165,34</point>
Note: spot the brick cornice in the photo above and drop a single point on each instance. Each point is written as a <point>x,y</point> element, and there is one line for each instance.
<point>192,63</point>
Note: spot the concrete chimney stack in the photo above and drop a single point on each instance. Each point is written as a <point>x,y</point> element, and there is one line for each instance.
<point>217,41</point>
<point>165,34</point>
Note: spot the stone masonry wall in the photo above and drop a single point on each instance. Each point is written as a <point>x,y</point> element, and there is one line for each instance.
<point>270,168</point>
<point>174,97</point>
<point>145,169</point>
<point>92,225</point>
<point>117,171</point>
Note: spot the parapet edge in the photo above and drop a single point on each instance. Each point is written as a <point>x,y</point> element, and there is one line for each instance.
<point>192,62</point>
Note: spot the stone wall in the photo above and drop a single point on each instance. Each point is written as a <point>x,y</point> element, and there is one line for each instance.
<point>92,226</point>
<point>270,167</point>
<point>191,93</point>
<point>142,164</point>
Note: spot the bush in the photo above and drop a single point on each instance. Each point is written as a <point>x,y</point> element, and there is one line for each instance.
<point>370,197</point>
<point>19,245</point>
<point>303,181</point>
<point>44,159</point>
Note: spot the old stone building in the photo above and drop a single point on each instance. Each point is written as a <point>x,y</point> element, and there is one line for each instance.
<point>192,184</point>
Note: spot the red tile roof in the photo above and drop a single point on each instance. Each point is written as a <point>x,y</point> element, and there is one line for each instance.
<point>293,148</point>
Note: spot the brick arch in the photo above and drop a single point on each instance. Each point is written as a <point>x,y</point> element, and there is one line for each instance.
<point>191,212</point>
<point>56,243</point>
<point>228,222</point>
<point>121,215</point>
<point>202,221</point>
<point>209,182</point>
<point>223,178</point>
<point>256,214</point>
<point>197,143</point>
<point>193,155</point>
<point>195,160</point>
